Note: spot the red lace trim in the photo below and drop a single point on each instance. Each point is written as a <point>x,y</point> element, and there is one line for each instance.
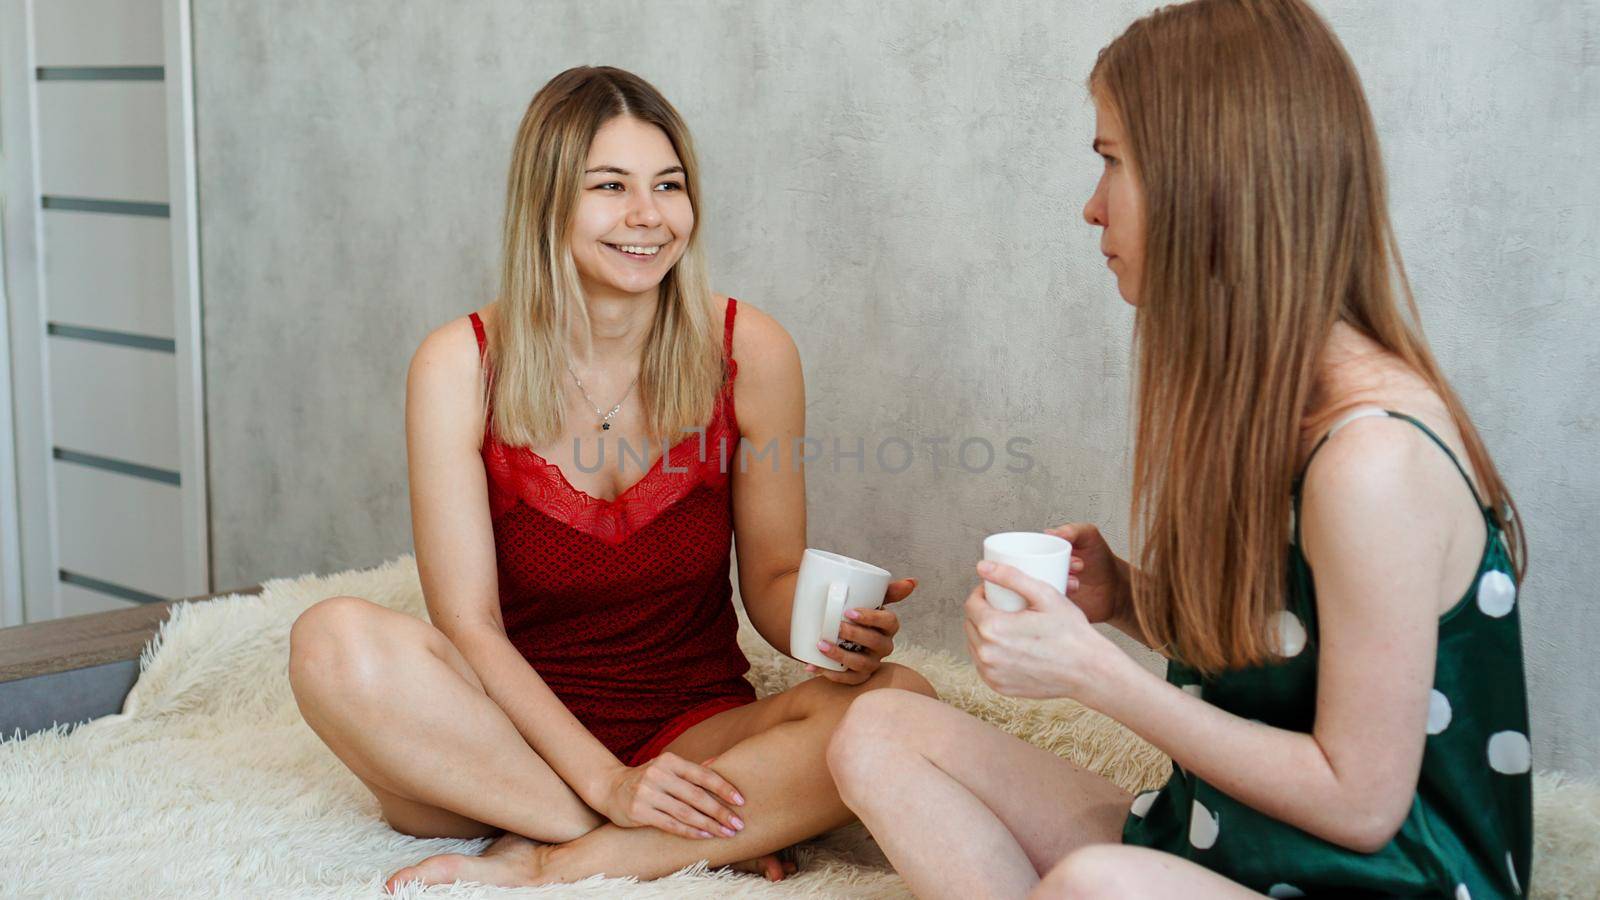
<point>519,475</point>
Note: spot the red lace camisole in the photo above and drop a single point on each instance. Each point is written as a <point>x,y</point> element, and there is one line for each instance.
<point>624,607</point>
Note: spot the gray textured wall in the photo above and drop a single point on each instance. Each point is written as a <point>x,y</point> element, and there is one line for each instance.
<point>899,183</point>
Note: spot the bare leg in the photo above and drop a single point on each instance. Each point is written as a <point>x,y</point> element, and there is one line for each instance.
<point>772,750</point>
<point>1114,870</point>
<point>963,809</point>
<point>399,705</point>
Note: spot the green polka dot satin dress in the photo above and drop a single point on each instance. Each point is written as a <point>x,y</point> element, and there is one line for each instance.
<point>1469,833</point>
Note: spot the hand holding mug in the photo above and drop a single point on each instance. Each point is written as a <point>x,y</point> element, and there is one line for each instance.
<point>1098,579</point>
<point>838,625</point>
<point>1046,650</point>
<point>864,639</point>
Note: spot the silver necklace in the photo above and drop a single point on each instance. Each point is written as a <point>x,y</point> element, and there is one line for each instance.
<point>605,417</point>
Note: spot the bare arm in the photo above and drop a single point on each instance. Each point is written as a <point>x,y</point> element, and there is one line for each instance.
<point>1374,517</point>
<point>769,491</point>
<point>454,542</point>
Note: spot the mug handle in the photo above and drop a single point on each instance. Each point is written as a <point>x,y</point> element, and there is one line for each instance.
<point>833,610</point>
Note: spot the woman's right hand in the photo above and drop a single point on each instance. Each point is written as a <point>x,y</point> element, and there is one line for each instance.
<point>1098,579</point>
<point>676,796</point>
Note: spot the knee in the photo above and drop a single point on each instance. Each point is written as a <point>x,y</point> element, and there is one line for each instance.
<point>865,739</point>
<point>1087,873</point>
<point>327,641</point>
<point>324,622</point>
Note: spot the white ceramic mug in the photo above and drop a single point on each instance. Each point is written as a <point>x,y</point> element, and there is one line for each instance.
<point>1044,556</point>
<point>828,585</point>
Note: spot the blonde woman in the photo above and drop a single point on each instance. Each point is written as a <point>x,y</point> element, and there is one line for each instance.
<point>581,670</point>
<point>1326,554</point>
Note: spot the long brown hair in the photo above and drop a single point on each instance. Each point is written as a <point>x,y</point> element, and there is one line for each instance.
<point>1266,223</point>
<point>541,299</point>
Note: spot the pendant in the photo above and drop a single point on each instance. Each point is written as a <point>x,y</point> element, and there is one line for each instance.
<point>605,426</point>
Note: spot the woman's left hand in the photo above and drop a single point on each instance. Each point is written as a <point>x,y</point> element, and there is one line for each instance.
<point>873,630</point>
<point>1045,651</point>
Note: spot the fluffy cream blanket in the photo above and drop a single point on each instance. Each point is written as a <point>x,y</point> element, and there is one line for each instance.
<point>209,784</point>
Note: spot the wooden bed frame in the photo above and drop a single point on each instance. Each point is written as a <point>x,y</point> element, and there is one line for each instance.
<point>78,668</point>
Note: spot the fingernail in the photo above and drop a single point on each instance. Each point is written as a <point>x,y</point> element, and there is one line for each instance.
<point>738,798</point>
<point>728,832</point>
<point>824,645</point>
<point>738,823</point>
<point>985,567</point>
<point>852,613</point>
<point>810,667</point>
<point>705,834</point>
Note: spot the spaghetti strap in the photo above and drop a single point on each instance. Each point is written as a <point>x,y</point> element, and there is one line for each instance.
<point>1370,412</point>
<point>730,367</point>
<point>1447,452</point>
<point>488,374</point>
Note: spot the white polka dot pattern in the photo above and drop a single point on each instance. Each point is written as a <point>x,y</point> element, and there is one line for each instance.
<point>1497,594</point>
<point>1291,634</point>
<point>1143,802</point>
<point>1192,689</point>
<point>1511,869</point>
<point>1438,712</point>
<point>1509,753</point>
<point>1462,893</point>
<point>1285,890</point>
<point>1203,827</point>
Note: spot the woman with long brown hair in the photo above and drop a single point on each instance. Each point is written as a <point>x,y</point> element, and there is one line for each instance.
<point>1325,552</point>
<point>576,457</point>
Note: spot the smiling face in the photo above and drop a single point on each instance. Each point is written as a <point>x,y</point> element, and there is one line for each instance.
<point>633,217</point>
<point>1117,205</point>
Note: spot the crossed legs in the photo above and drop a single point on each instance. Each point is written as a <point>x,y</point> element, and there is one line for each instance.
<point>399,705</point>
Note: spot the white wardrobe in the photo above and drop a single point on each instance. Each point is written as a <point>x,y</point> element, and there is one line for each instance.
<point>103,473</point>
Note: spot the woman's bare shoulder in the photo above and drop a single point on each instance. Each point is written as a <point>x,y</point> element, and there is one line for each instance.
<point>444,382</point>
<point>451,348</point>
<point>759,340</point>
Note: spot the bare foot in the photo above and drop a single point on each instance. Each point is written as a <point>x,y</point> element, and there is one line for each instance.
<point>511,861</point>
<point>773,866</point>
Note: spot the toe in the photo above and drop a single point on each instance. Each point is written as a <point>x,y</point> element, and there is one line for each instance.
<point>397,879</point>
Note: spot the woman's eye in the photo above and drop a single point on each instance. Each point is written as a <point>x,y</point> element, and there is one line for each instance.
<point>669,186</point>
<point>609,186</point>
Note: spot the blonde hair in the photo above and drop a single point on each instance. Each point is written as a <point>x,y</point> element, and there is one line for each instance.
<point>541,299</point>
<point>1266,223</point>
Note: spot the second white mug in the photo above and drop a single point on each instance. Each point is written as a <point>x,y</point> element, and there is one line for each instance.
<point>1043,556</point>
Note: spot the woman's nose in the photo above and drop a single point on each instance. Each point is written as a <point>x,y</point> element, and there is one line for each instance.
<point>1094,210</point>
<point>643,211</point>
